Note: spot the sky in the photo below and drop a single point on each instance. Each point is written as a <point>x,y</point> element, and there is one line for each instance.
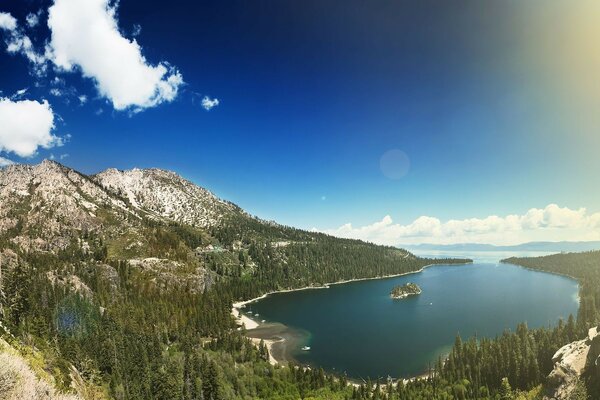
<point>397,122</point>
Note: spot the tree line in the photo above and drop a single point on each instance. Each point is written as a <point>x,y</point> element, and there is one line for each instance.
<point>131,339</point>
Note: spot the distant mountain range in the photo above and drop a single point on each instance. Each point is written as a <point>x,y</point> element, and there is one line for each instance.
<point>557,247</point>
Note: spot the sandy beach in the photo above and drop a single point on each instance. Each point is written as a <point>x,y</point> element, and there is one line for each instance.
<point>269,343</point>
<point>242,319</point>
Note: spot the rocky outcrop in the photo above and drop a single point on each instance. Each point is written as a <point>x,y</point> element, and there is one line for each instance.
<point>43,207</point>
<point>71,282</point>
<point>50,208</point>
<point>570,363</point>
<point>169,275</point>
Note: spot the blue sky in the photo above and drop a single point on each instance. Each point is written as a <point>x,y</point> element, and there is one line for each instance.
<point>312,94</point>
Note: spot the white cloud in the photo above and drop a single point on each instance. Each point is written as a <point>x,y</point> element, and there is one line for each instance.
<point>19,94</point>
<point>85,35</point>
<point>5,162</point>
<point>33,19</point>
<point>7,22</point>
<point>26,125</point>
<point>551,223</point>
<point>82,99</point>
<point>17,42</point>
<point>209,103</point>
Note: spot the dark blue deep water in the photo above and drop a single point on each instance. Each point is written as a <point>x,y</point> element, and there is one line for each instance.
<point>356,327</point>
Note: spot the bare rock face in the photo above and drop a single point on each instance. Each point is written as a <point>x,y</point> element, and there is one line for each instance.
<point>167,195</point>
<point>168,274</point>
<point>71,282</point>
<point>44,204</point>
<point>570,362</point>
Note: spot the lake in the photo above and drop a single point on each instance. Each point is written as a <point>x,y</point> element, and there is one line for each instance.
<point>358,329</point>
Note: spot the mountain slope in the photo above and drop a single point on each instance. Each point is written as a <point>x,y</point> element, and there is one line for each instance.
<point>167,195</point>
<point>129,278</point>
<point>152,213</point>
<point>43,206</point>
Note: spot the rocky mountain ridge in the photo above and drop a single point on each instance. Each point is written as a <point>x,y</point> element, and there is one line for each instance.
<point>45,204</point>
<point>166,195</point>
<point>50,208</point>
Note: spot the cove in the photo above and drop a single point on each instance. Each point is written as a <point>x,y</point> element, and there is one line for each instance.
<point>357,329</point>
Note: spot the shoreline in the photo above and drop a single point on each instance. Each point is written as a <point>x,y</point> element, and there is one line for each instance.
<point>248,323</point>
<point>551,273</point>
<point>269,343</point>
<point>240,304</point>
<point>542,270</point>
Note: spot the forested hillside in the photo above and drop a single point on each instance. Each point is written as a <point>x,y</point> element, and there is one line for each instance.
<point>108,281</point>
<point>119,300</point>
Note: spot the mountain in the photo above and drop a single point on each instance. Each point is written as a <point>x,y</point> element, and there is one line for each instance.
<point>43,207</point>
<point>555,247</point>
<point>171,231</point>
<point>133,214</point>
<point>115,284</point>
<point>120,285</point>
<point>167,195</point>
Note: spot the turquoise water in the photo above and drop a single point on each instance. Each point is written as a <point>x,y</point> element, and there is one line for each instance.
<point>357,329</point>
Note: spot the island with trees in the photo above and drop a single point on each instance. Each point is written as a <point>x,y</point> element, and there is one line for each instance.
<point>403,291</point>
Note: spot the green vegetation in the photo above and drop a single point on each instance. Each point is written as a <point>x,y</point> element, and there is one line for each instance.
<point>402,291</point>
<point>137,333</point>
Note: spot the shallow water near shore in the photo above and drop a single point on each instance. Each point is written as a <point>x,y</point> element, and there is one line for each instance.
<point>357,329</point>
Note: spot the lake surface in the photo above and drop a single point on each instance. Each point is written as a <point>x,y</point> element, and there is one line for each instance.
<point>358,329</point>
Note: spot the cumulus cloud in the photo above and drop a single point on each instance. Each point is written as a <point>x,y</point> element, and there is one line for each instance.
<point>208,103</point>
<point>26,125</point>
<point>85,36</point>
<point>7,22</point>
<point>551,223</point>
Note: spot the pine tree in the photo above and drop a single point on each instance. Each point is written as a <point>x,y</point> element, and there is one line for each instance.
<point>506,392</point>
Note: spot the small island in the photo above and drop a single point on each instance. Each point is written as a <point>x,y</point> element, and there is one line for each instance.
<point>408,289</point>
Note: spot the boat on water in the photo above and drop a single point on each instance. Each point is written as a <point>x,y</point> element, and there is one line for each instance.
<point>305,348</point>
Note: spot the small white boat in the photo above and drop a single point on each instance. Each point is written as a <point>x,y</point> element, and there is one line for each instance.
<point>256,315</point>
<point>263,321</point>
<point>305,348</point>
